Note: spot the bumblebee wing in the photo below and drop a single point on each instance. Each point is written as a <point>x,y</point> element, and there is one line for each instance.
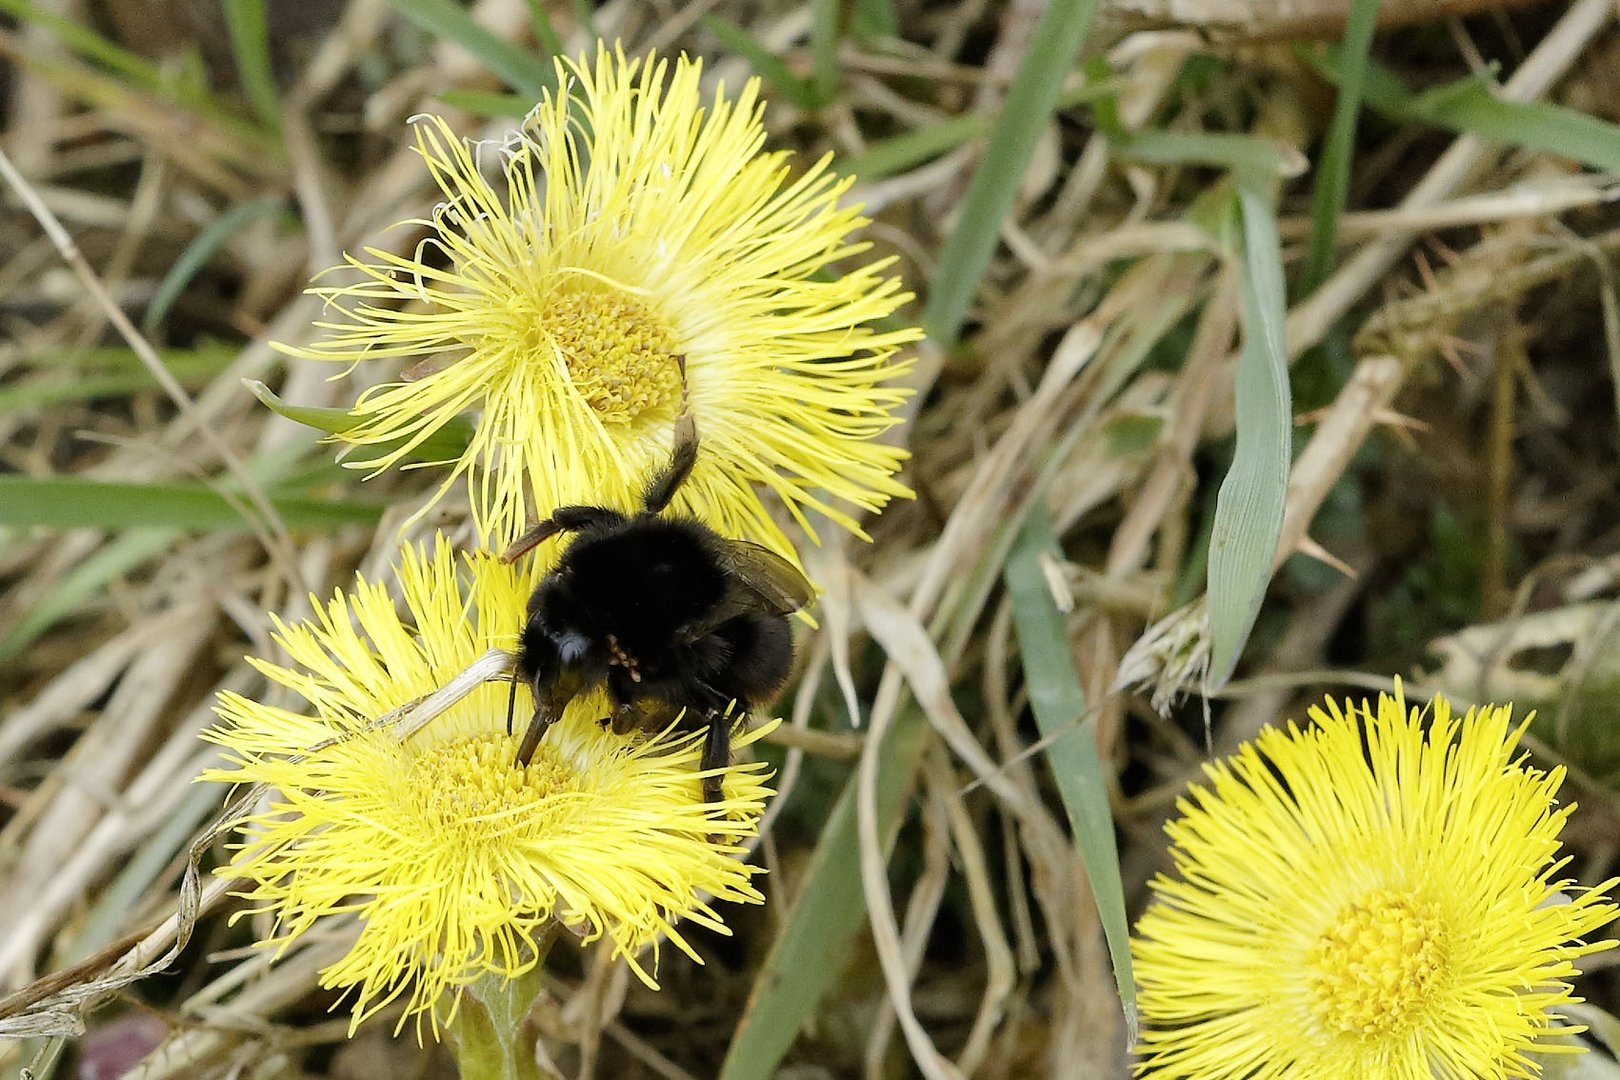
<point>757,580</point>
<point>774,584</point>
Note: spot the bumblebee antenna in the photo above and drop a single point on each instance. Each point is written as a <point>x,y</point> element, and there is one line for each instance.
<point>539,534</point>
<point>563,519</point>
<point>682,457</point>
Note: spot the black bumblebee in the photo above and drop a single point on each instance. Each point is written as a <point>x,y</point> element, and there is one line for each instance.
<point>664,611</point>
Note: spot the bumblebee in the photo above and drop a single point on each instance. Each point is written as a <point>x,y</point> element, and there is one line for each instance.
<point>672,618</point>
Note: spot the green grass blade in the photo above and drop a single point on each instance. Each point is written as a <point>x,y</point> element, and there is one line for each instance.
<point>544,31</point>
<point>874,19</point>
<point>117,557</point>
<point>521,69</point>
<point>901,152</point>
<point>40,393</point>
<point>489,105</point>
<point>85,42</point>
<point>1249,508</point>
<point>585,16</point>
<point>814,946</point>
<point>250,45</point>
<point>197,254</point>
<point>1475,109</point>
<point>1382,89</point>
<point>114,78</point>
<point>898,153</point>
<point>766,64</point>
<point>68,502</point>
<point>205,355</point>
<point>1470,106</point>
<point>824,16</point>
<point>1030,100</point>
<point>1333,171</point>
<point>1058,702</point>
<point>1249,153</point>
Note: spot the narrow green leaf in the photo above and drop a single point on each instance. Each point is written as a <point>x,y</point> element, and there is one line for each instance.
<point>814,946</point>
<point>1333,171</point>
<point>521,69</point>
<point>490,105</point>
<point>1058,702</point>
<point>1536,125</point>
<point>1471,106</point>
<point>1250,153</point>
<point>1382,89</point>
<point>1030,100</point>
<point>118,75</point>
<point>585,15</point>
<point>824,16</point>
<point>250,45</point>
<point>874,19</point>
<point>1249,508</point>
<point>199,251</point>
<point>544,31</point>
<point>205,355</point>
<point>1105,113</point>
<point>901,152</point>
<point>38,393</point>
<point>85,42</point>
<point>446,444</point>
<point>113,559</point>
<point>69,502</point>
<point>766,64</point>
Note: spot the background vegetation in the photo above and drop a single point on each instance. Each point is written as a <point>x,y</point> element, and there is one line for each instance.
<point>1089,210</point>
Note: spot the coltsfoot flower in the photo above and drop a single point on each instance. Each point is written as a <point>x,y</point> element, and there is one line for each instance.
<point>454,860</point>
<point>1374,897</point>
<point>629,230</point>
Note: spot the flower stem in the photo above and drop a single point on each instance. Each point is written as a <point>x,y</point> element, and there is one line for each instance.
<point>487,1031</point>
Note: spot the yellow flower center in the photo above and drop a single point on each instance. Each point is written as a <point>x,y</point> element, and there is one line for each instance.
<point>1372,971</point>
<point>459,785</point>
<point>620,355</point>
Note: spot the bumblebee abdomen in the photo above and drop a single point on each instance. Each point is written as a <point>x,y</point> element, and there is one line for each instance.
<point>760,656</point>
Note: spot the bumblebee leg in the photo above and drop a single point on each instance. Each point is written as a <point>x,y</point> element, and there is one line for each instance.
<point>716,754</point>
<point>625,719</point>
<point>641,714</point>
<point>682,456</point>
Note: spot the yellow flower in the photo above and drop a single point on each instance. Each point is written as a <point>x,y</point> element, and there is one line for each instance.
<point>627,231</point>
<point>1373,898</point>
<point>454,859</point>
